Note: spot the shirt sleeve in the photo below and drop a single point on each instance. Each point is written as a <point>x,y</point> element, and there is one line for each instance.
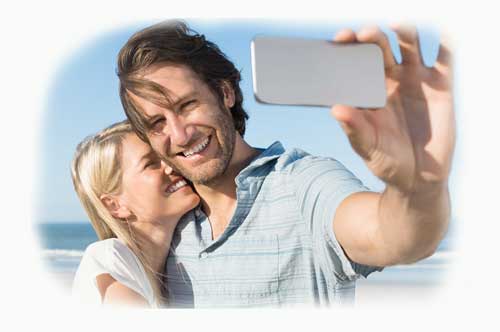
<point>111,257</point>
<point>321,185</point>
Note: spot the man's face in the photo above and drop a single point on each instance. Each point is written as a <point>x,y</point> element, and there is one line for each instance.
<point>196,134</point>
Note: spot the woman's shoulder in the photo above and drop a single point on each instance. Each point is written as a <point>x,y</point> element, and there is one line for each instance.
<point>105,246</point>
<point>111,252</point>
<point>112,256</point>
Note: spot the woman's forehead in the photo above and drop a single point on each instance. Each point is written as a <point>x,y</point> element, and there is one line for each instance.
<point>134,149</point>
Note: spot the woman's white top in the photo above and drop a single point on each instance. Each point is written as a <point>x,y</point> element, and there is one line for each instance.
<point>113,257</point>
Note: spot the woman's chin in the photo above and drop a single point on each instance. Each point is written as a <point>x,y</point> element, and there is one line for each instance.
<point>192,201</point>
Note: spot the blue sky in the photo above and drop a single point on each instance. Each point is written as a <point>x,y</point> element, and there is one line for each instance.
<point>83,99</point>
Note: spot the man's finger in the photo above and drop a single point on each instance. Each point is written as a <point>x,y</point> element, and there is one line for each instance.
<point>408,43</point>
<point>345,36</point>
<point>377,36</point>
<point>444,60</point>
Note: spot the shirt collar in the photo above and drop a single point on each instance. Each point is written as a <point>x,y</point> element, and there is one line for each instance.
<point>273,152</point>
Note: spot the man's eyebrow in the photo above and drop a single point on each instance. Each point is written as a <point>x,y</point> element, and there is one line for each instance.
<point>152,118</point>
<point>189,95</point>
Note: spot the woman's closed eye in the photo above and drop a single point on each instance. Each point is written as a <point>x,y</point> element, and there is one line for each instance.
<point>152,163</point>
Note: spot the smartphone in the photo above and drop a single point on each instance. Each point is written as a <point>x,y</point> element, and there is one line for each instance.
<point>295,71</point>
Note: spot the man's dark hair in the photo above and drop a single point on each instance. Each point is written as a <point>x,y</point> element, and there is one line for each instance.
<point>175,43</point>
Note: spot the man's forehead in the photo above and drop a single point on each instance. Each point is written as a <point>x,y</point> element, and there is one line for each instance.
<point>150,108</point>
<point>177,81</point>
<point>167,73</point>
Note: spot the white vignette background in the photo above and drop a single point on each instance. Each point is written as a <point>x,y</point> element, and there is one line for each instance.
<point>38,38</point>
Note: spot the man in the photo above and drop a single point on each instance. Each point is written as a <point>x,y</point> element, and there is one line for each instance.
<point>281,227</point>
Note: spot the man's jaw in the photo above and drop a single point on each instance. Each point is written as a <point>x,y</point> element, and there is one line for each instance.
<point>199,163</point>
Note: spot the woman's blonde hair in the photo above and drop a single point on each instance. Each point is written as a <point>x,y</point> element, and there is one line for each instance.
<point>96,170</point>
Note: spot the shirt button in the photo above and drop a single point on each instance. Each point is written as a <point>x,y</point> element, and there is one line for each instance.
<point>203,255</point>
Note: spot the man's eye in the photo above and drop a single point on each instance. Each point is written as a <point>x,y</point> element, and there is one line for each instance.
<point>189,105</point>
<point>157,126</point>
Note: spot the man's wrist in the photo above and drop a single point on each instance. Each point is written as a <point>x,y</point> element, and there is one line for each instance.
<point>421,190</point>
<point>429,202</point>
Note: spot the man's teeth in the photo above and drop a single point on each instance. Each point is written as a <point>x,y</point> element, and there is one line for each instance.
<point>197,148</point>
<point>179,184</point>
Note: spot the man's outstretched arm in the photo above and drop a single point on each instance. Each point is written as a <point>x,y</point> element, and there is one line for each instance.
<point>408,144</point>
<point>392,227</point>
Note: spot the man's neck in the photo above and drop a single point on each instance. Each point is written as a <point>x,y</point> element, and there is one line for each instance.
<point>219,198</point>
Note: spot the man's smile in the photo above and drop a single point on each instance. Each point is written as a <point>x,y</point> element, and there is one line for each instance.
<point>198,148</point>
<point>196,153</point>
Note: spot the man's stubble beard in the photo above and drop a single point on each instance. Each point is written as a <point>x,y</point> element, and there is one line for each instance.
<point>211,171</point>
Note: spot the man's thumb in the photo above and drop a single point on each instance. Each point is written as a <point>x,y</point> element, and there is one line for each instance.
<point>358,129</point>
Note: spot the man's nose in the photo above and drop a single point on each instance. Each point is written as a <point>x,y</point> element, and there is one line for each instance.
<point>179,135</point>
<point>166,168</point>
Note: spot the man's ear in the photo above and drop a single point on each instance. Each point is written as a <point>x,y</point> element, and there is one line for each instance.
<point>228,92</point>
<point>114,206</point>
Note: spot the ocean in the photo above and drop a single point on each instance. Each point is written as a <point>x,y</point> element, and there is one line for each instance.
<point>63,245</point>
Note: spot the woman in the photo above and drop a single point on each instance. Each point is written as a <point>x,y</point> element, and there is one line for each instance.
<point>134,202</point>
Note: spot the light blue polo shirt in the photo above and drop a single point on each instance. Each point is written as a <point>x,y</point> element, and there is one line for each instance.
<point>279,248</point>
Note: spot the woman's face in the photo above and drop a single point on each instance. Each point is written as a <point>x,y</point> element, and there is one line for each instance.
<point>151,191</point>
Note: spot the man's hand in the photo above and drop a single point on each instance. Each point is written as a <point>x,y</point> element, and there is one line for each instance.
<point>409,143</point>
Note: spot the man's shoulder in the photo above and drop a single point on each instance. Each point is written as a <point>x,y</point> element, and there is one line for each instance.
<point>278,159</point>
<point>297,160</point>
